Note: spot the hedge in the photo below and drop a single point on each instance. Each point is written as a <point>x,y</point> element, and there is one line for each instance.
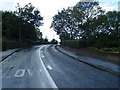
<point>75,43</point>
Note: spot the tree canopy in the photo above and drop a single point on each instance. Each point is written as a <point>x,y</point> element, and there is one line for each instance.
<point>76,22</point>
<point>29,14</point>
<point>88,22</point>
<point>27,19</point>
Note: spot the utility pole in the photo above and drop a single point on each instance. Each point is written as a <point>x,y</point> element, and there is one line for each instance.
<point>20,41</point>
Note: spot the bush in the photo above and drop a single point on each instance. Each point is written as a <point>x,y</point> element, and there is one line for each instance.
<point>83,44</point>
<point>75,43</point>
<point>111,50</point>
<point>6,43</point>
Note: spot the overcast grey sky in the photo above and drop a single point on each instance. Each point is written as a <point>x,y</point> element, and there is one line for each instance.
<point>49,8</point>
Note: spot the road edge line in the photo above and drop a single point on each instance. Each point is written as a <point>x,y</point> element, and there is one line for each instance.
<point>93,65</point>
<point>46,71</point>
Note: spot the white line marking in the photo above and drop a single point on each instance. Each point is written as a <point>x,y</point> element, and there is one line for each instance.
<point>47,73</point>
<point>43,56</point>
<point>49,67</point>
<point>20,73</point>
<point>40,70</point>
<point>29,72</point>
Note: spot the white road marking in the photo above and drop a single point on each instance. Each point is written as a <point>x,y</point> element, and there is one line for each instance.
<point>47,73</point>
<point>43,56</point>
<point>20,73</point>
<point>30,72</point>
<point>40,70</point>
<point>49,67</point>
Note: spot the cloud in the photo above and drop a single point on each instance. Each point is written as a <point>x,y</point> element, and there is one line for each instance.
<point>108,1</point>
<point>109,5</point>
<point>6,5</point>
<point>108,8</point>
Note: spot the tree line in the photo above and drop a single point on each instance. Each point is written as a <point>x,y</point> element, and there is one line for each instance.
<point>25,20</point>
<point>87,25</point>
<point>21,27</point>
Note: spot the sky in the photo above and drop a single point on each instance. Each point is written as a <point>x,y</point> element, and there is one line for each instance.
<point>48,8</point>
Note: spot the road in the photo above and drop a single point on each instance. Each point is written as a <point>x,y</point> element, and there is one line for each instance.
<point>44,67</point>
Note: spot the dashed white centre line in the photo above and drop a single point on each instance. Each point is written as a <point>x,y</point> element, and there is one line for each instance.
<point>49,67</point>
<point>53,85</point>
<point>43,56</point>
<point>40,71</point>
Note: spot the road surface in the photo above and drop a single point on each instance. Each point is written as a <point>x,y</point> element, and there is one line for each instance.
<point>44,67</point>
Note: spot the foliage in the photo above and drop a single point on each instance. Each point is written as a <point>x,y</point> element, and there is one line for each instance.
<point>113,25</point>
<point>110,50</point>
<point>10,25</point>
<point>46,40</point>
<point>71,43</point>
<point>76,22</point>
<point>29,14</point>
<point>22,24</point>
<point>87,25</point>
<point>24,21</point>
<point>53,41</point>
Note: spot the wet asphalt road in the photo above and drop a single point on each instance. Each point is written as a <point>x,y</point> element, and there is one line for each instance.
<point>45,67</point>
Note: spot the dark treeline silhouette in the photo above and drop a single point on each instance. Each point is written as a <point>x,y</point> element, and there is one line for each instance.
<point>87,25</point>
<point>21,26</point>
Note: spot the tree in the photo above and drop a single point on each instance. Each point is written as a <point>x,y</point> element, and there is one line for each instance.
<point>53,41</point>
<point>29,14</point>
<point>31,18</point>
<point>10,25</point>
<point>113,18</point>
<point>76,22</point>
<point>59,23</point>
<point>26,19</point>
<point>86,12</point>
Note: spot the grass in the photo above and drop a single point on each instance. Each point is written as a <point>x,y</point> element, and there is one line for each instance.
<point>107,50</point>
<point>93,48</point>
